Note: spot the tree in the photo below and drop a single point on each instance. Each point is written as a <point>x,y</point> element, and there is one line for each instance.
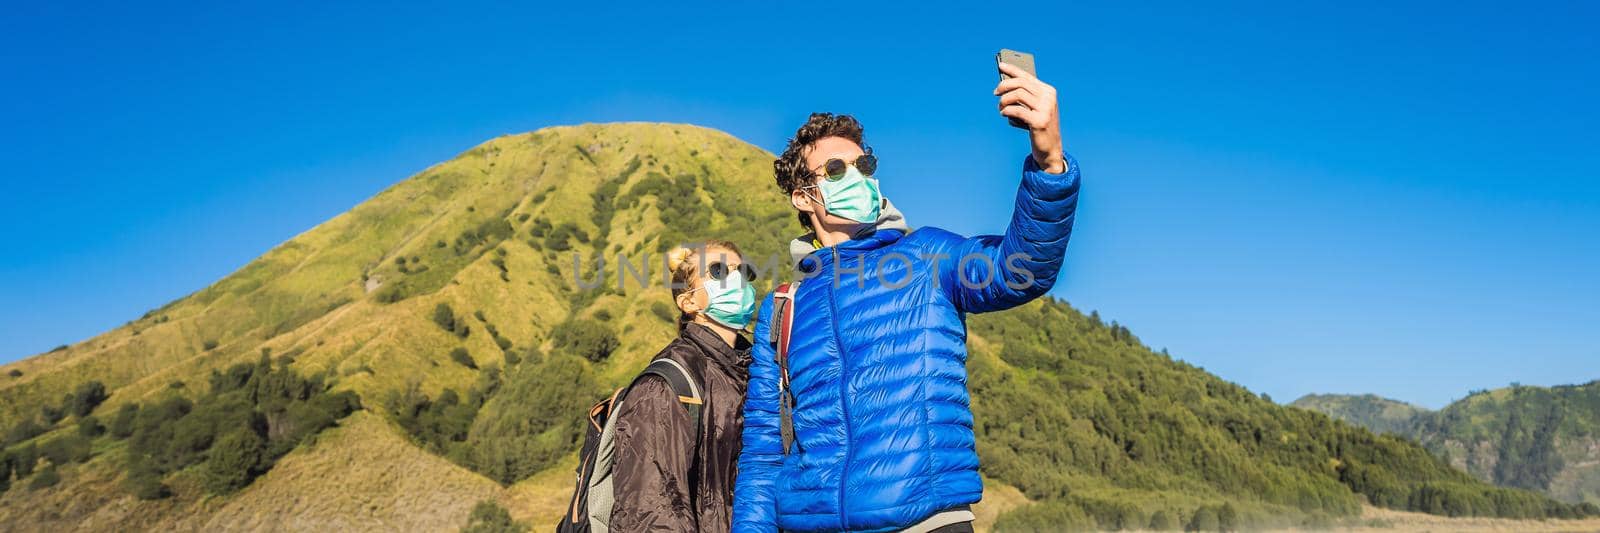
<point>446,318</point>
<point>24,430</point>
<point>7,465</point>
<point>233,461</point>
<point>26,457</point>
<point>52,414</point>
<point>144,481</point>
<point>1046,517</point>
<point>536,419</point>
<point>1205,519</point>
<point>122,425</point>
<point>89,427</point>
<point>67,449</point>
<point>1228,517</point>
<point>490,517</point>
<point>1161,521</point>
<point>87,396</point>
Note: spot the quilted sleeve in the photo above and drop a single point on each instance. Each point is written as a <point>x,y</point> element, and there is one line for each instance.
<point>995,272</point>
<point>754,503</point>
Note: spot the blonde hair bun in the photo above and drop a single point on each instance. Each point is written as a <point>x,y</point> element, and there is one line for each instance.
<point>677,256</point>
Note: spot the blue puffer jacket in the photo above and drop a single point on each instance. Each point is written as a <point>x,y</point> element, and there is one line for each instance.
<point>877,363</point>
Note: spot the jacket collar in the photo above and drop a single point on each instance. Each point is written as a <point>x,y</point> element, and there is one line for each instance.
<point>734,360</point>
<point>890,227</point>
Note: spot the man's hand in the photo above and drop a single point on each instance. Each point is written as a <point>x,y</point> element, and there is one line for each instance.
<point>1033,102</point>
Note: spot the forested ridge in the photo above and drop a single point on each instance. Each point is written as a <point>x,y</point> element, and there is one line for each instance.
<point>1537,438</point>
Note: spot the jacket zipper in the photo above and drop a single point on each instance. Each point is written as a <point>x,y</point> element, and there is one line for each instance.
<point>844,389</point>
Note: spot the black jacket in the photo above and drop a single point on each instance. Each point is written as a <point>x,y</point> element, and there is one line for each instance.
<point>664,480</point>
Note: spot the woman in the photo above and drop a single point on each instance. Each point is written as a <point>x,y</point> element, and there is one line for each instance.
<point>669,474</point>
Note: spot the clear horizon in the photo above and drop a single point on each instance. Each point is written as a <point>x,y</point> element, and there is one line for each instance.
<point>1351,198</point>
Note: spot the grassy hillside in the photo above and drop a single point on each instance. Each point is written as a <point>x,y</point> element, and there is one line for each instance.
<point>445,313</point>
<point>1539,438</point>
<point>1370,411</point>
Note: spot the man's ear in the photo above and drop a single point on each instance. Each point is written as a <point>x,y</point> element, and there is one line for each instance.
<point>801,201</point>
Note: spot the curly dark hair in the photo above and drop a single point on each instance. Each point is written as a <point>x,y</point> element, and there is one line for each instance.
<point>790,168</point>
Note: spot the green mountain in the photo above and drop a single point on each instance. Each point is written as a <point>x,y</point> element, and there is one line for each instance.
<point>1370,411</point>
<point>1538,438</point>
<point>425,359</point>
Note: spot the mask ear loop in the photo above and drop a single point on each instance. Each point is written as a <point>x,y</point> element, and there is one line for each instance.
<point>815,199</point>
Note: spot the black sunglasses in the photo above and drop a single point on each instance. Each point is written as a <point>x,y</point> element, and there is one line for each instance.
<point>719,272</point>
<point>835,168</point>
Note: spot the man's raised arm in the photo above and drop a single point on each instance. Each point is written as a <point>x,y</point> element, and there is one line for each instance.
<point>990,273</point>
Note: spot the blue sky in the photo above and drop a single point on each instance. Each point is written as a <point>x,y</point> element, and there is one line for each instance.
<point>1301,197</point>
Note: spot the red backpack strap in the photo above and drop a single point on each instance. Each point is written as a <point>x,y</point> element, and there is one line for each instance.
<point>782,326</point>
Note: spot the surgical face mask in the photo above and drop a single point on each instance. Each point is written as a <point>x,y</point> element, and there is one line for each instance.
<point>854,196</point>
<point>730,300</point>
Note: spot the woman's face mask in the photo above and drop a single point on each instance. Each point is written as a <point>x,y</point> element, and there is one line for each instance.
<point>730,300</point>
<point>854,196</point>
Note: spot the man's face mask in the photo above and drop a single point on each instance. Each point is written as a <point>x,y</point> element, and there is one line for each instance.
<point>730,299</point>
<point>849,190</point>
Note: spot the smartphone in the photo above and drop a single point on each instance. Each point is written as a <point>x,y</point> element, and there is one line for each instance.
<point>1021,60</point>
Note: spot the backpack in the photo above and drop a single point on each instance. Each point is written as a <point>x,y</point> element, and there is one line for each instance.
<point>781,326</point>
<point>593,496</point>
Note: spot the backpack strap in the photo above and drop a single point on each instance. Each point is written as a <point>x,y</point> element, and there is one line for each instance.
<point>682,385</point>
<point>782,327</point>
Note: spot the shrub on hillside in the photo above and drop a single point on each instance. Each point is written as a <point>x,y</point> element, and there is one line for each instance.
<point>51,414</point>
<point>445,317</point>
<point>439,424</point>
<point>1162,521</point>
<point>391,293</point>
<point>46,478</point>
<point>1228,517</point>
<point>664,311</point>
<point>233,461</point>
<point>588,338</point>
<point>1043,517</point>
<point>535,420</point>
<point>7,465</point>
<point>90,427</point>
<point>273,402</point>
<point>85,398</point>
<point>144,482</point>
<point>1204,519</point>
<point>24,430</point>
<point>1112,515</point>
<point>122,424</point>
<point>463,358</point>
<point>67,449</point>
<point>24,458</point>
<point>559,237</point>
<point>489,517</point>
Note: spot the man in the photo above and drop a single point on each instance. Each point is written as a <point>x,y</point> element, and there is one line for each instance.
<point>883,437</point>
